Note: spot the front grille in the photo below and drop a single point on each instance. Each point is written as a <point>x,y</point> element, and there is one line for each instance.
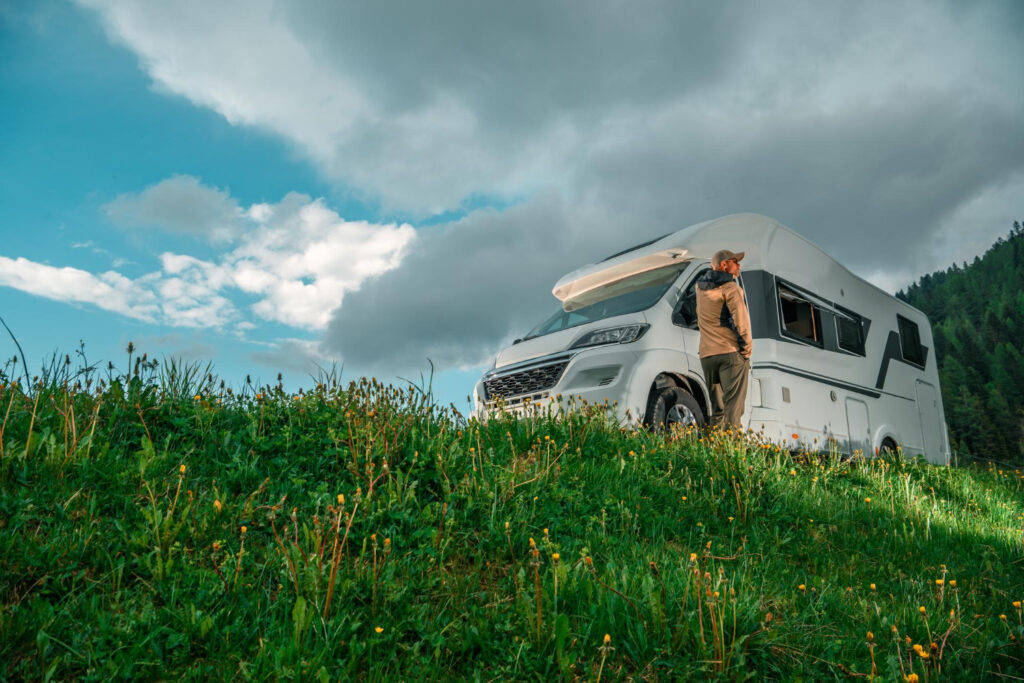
<point>525,382</point>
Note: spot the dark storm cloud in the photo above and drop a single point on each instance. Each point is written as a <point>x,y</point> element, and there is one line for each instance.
<point>463,288</point>
<point>867,160</point>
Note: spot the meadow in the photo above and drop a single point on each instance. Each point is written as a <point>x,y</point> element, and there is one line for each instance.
<point>156,524</point>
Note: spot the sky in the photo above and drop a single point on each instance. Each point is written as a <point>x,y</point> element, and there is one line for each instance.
<point>391,187</point>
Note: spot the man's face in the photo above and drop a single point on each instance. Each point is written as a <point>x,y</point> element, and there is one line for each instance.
<point>731,266</point>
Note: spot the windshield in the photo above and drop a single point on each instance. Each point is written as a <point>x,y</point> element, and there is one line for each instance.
<point>636,293</point>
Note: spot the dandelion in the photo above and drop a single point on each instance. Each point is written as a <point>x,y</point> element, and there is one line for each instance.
<point>1002,617</point>
<point>217,506</point>
<point>341,499</point>
<point>556,557</point>
<point>912,678</point>
<point>792,473</point>
<point>181,469</point>
<point>939,582</point>
<point>693,557</point>
<point>872,586</point>
<point>607,638</point>
<point>952,583</point>
<point>244,529</point>
<point>802,587</point>
<point>922,610</point>
<point>1016,603</point>
<point>379,630</point>
<point>868,501</point>
<point>871,637</point>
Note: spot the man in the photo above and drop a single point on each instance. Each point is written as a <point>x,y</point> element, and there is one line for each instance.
<point>725,341</point>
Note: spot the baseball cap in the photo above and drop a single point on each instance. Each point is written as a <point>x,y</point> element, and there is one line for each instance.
<point>725,255</point>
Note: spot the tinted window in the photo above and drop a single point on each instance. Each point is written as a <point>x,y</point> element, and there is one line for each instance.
<point>800,318</point>
<point>851,333</point>
<point>910,341</point>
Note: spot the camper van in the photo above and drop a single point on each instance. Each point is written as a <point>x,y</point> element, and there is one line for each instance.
<point>836,360</point>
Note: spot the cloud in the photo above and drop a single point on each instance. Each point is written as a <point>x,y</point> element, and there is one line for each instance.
<point>110,291</point>
<point>888,133</point>
<point>295,262</point>
<point>180,204</point>
<point>466,288</point>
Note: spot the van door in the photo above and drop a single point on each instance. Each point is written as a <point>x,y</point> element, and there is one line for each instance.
<point>931,429</point>
<point>858,425</point>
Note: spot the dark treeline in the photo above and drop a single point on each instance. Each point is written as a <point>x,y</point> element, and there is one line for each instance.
<point>977,314</point>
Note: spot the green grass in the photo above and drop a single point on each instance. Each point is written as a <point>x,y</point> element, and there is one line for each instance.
<point>122,550</point>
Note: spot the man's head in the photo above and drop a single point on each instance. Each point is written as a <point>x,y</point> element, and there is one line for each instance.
<point>727,261</point>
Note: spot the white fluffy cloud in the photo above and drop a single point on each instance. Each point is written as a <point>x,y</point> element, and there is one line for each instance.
<point>110,291</point>
<point>295,261</point>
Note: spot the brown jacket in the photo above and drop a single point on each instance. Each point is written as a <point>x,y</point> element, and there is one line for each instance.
<point>722,316</point>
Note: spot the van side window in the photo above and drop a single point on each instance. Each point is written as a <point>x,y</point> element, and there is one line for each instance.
<point>800,318</point>
<point>910,341</point>
<point>685,313</point>
<point>851,333</point>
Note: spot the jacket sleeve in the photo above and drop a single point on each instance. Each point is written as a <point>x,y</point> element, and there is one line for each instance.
<point>741,317</point>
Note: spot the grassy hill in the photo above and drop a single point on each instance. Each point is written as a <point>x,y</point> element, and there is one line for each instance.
<point>161,527</point>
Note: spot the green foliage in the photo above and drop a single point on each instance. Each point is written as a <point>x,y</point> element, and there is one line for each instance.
<point>361,532</point>
<point>977,314</point>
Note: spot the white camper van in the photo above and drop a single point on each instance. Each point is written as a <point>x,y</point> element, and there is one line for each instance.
<point>835,358</point>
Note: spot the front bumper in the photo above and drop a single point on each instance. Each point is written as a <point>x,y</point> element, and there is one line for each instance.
<point>560,382</point>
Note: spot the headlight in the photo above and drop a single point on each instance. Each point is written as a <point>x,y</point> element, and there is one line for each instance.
<point>612,335</point>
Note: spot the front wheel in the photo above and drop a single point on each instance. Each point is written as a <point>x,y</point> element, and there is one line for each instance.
<point>673,406</point>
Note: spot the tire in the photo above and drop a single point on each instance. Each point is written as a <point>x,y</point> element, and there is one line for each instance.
<point>888,447</point>
<point>673,406</point>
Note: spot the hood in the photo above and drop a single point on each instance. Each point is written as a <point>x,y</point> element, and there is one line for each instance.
<point>713,279</point>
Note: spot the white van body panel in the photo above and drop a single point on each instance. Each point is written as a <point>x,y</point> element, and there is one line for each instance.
<point>802,393</point>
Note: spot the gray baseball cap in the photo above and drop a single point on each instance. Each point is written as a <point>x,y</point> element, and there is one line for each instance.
<point>725,255</point>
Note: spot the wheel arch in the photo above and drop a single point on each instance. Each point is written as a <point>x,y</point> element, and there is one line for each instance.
<point>682,381</point>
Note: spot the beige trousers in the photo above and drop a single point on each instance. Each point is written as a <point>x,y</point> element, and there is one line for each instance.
<point>727,376</point>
